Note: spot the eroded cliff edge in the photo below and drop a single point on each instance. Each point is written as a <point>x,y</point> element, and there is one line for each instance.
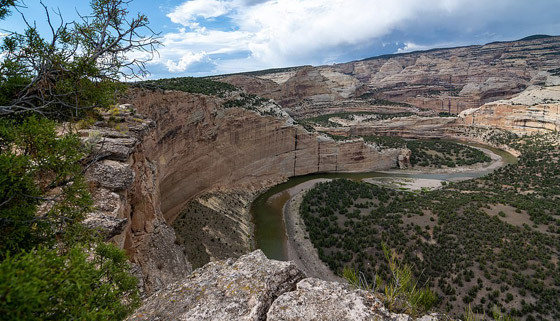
<point>165,149</point>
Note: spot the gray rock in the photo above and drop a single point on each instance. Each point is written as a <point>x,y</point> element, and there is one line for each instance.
<point>225,290</point>
<point>115,148</point>
<point>107,225</point>
<point>110,174</point>
<point>105,218</point>
<point>316,299</point>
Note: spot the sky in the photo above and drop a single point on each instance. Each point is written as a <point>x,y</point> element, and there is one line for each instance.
<point>210,37</point>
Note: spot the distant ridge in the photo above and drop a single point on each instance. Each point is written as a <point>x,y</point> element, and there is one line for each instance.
<point>535,37</point>
<point>386,56</point>
<point>528,38</point>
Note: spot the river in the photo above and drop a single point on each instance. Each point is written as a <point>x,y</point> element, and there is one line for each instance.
<point>267,209</point>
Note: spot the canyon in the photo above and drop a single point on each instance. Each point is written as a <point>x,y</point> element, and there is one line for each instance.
<point>175,181</point>
<point>444,80</point>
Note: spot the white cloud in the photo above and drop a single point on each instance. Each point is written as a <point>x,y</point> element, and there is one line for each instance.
<point>290,32</point>
<point>186,60</point>
<point>411,46</point>
<point>186,13</point>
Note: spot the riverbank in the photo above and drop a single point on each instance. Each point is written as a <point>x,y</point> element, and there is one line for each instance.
<point>280,232</point>
<point>300,250</point>
<point>496,161</point>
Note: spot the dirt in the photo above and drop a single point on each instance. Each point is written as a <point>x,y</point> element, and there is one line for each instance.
<point>300,249</point>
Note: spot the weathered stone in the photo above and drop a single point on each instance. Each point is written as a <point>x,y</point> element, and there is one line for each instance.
<point>316,299</point>
<point>107,225</point>
<point>160,259</point>
<point>537,109</point>
<point>223,290</point>
<point>111,174</point>
<point>115,148</point>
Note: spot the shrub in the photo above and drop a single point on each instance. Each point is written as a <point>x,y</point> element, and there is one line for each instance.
<point>41,284</point>
<point>34,162</point>
<point>402,292</point>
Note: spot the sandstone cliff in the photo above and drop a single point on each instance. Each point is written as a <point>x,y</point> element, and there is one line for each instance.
<point>447,80</point>
<point>191,148</point>
<point>200,147</point>
<point>537,109</point>
<point>127,198</point>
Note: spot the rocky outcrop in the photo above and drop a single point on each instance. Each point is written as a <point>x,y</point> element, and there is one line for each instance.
<point>256,288</point>
<point>126,199</point>
<point>535,110</point>
<point>445,80</point>
<point>223,290</point>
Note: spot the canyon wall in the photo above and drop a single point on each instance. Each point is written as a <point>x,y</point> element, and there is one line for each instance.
<point>537,109</point>
<point>444,80</point>
<point>145,171</point>
<point>125,189</point>
<point>197,146</point>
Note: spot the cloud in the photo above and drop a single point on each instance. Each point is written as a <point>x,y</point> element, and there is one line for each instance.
<point>186,60</point>
<point>189,11</point>
<point>292,32</point>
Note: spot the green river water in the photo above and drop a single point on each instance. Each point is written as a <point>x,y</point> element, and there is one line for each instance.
<point>267,211</point>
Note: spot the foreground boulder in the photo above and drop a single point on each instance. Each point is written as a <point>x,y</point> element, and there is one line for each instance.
<point>256,288</point>
<point>316,299</point>
<point>224,290</point>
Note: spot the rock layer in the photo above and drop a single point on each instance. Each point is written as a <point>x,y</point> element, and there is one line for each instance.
<point>447,80</point>
<point>535,110</point>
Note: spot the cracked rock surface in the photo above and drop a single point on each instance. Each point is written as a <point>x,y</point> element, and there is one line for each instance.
<point>256,288</point>
<point>241,289</point>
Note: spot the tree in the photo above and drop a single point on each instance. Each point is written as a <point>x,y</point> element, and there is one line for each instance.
<point>79,66</point>
<point>5,8</point>
<point>37,167</point>
<point>51,267</point>
<point>70,286</point>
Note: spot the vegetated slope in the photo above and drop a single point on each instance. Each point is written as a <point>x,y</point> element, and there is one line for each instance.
<point>188,84</point>
<point>492,241</point>
<point>433,153</point>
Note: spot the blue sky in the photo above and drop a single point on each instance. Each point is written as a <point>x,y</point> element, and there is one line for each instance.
<point>208,37</point>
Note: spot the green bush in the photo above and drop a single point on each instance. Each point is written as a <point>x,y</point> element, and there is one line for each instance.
<point>402,292</point>
<point>188,84</point>
<point>39,167</point>
<point>41,284</point>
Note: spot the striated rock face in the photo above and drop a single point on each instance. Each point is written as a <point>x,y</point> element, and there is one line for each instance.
<point>197,146</point>
<point>408,127</point>
<point>256,288</point>
<point>447,80</point>
<point>535,110</point>
<point>223,290</point>
<point>126,196</point>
